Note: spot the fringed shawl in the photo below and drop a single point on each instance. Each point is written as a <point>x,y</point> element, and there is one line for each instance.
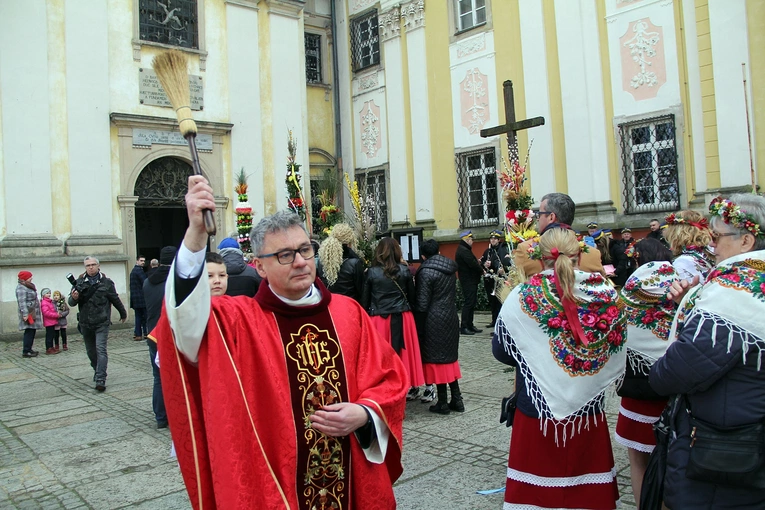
<point>565,379</point>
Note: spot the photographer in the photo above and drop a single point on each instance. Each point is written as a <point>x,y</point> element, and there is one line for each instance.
<point>94,293</point>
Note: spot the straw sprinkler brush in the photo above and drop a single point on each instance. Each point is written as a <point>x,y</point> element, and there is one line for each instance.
<point>171,69</point>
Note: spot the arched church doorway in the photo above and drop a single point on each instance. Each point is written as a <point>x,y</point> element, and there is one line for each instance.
<point>160,212</point>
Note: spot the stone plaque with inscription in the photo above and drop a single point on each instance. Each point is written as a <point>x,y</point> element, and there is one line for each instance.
<point>147,137</point>
<point>150,91</point>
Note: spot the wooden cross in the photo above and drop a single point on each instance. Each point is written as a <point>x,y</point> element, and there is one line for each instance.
<point>511,127</point>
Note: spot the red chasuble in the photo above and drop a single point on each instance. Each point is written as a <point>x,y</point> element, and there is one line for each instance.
<point>239,419</point>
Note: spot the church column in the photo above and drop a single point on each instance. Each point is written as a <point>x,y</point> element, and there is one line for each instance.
<point>419,106</point>
<point>390,34</point>
<point>583,102</point>
<point>127,216</point>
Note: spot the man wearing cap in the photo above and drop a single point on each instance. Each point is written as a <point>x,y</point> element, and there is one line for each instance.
<point>30,316</point>
<point>555,210</point>
<point>243,280</point>
<point>592,228</point>
<point>470,272</point>
<point>137,302</point>
<point>95,294</point>
<point>624,264</point>
<point>496,261</point>
<point>154,293</point>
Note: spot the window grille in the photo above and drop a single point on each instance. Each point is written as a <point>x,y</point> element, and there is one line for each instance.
<point>313,58</point>
<point>470,13</point>
<point>649,165</point>
<point>376,201</point>
<point>172,22</point>
<point>365,41</point>
<point>163,183</point>
<point>477,188</point>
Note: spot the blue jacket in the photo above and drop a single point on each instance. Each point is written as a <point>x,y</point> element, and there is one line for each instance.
<point>721,389</point>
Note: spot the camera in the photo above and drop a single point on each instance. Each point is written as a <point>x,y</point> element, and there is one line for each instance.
<point>72,279</point>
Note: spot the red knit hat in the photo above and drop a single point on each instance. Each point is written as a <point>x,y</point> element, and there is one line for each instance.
<point>25,275</point>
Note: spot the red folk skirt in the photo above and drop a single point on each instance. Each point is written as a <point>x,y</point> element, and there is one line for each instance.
<point>541,474</point>
<point>634,426</point>
<point>410,354</point>
<point>442,373</point>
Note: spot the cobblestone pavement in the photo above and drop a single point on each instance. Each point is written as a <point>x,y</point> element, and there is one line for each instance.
<point>63,445</point>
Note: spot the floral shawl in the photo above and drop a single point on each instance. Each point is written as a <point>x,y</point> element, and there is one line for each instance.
<point>649,313</point>
<point>565,379</point>
<point>693,261</point>
<point>734,297</point>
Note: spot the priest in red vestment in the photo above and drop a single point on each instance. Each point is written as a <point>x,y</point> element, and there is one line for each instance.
<point>285,400</point>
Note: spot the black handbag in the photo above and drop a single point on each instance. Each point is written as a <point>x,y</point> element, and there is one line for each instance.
<point>507,413</point>
<point>732,456</point>
<point>652,493</point>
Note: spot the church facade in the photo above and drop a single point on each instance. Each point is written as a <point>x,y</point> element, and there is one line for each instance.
<point>649,106</point>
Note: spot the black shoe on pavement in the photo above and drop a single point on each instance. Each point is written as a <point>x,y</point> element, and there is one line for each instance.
<point>30,354</point>
<point>100,386</point>
<point>161,425</point>
<point>457,405</point>
<point>440,408</point>
<point>475,329</point>
<point>466,331</point>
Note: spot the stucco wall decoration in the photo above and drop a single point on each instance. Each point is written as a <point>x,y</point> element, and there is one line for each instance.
<point>644,69</point>
<point>371,136</point>
<point>474,100</point>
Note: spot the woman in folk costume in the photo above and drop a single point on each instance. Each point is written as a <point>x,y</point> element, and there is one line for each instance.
<point>388,297</point>
<point>688,236</point>
<point>649,316</point>
<point>565,331</point>
<point>715,361</point>
<point>340,268</point>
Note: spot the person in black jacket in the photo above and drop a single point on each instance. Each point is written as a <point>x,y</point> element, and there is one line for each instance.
<point>154,294</point>
<point>470,272</point>
<point>438,325</point>
<point>624,265</point>
<point>243,280</point>
<point>339,267</point>
<point>496,262</point>
<point>388,297</point>
<point>95,294</point>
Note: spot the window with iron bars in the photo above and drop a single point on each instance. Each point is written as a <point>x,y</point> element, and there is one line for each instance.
<point>172,22</point>
<point>365,41</point>
<point>373,184</point>
<point>470,13</point>
<point>313,58</point>
<point>477,188</point>
<point>649,165</point>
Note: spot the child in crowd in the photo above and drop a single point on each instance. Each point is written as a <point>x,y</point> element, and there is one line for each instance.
<point>217,276</point>
<point>63,311</point>
<point>50,321</point>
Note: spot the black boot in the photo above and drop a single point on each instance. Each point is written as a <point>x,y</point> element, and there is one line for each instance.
<point>441,406</point>
<point>456,403</point>
<point>475,329</point>
<point>466,331</point>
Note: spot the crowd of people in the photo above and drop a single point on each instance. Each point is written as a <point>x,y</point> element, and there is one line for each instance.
<point>672,322</point>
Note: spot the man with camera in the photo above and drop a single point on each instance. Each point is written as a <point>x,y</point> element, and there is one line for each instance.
<point>95,294</point>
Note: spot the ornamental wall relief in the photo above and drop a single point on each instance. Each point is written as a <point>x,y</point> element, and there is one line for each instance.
<point>644,68</point>
<point>371,134</point>
<point>474,100</point>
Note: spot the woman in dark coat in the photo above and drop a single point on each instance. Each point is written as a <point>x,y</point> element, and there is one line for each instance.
<point>438,326</point>
<point>715,360</point>
<point>388,297</point>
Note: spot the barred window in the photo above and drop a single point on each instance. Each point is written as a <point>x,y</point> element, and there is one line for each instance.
<point>649,165</point>
<point>313,58</point>
<point>365,41</point>
<point>172,22</point>
<point>477,186</point>
<point>376,200</point>
<point>470,13</point>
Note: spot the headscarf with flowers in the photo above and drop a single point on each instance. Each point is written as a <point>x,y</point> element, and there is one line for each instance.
<point>649,313</point>
<point>566,378</point>
<point>693,261</point>
<point>733,297</point>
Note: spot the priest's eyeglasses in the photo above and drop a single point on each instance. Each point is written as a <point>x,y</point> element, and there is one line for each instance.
<point>285,257</point>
